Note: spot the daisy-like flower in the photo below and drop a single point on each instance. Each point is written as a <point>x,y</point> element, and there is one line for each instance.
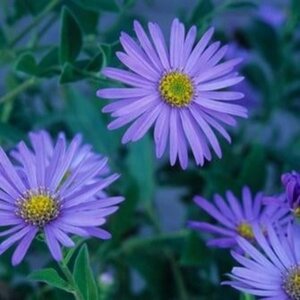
<point>236,218</point>
<point>290,199</point>
<point>291,182</point>
<point>38,197</point>
<point>84,151</point>
<point>178,89</point>
<point>271,270</point>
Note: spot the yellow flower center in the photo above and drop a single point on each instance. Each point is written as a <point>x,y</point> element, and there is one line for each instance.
<point>245,230</point>
<point>291,283</point>
<point>38,208</point>
<point>176,88</point>
<point>297,212</point>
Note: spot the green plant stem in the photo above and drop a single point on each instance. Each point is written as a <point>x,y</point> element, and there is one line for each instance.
<point>182,292</point>
<point>21,88</point>
<point>39,18</point>
<point>65,270</point>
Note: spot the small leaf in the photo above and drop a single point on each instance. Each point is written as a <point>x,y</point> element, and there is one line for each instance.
<point>98,5</point>
<point>97,62</point>
<point>202,11</point>
<point>70,74</point>
<point>239,4</point>
<point>51,277</point>
<point>27,64</point>
<point>49,64</point>
<point>255,161</point>
<point>71,37</point>
<point>83,275</point>
<point>140,164</point>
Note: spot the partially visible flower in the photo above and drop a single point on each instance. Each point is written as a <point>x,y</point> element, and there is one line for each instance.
<point>271,270</point>
<point>37,197</point>
<point>290,199</point>
<point>180,90</point>
<point>291,182</point>
<point>235,218</point>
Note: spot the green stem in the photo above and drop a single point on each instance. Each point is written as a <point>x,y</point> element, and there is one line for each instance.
<point>39,18</point>
<point>178,278</point>
<point>65,270</point>
<point>21,88</point>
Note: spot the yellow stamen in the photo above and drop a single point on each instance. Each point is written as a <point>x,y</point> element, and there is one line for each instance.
<point>245,230</point>
<point>176,88</point>
<point>38,208</point>
<point>291,283</point>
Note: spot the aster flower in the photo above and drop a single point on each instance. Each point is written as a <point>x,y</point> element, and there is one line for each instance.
<point>37,197</point>
<point>291,182</point>
<point>290,199</point>
<point>271,270</point>
<point>179,90</point>
<point>235,218</point>
<point>84,151</point>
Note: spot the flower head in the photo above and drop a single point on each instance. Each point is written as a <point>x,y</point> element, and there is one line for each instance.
<point>235,218</point>
<point>270,270</point>
<point>52,191</point>
<point>291,182</point>
<point>177,89</point>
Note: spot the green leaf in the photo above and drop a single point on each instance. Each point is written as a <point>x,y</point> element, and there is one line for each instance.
<point>49,64</point>
<point>193,251</point>
<point>83,275</point>
<point>27,64</point>
<point>140,162</point>
<point>71,37</point>
<point>254,170</point>
<point>83,115</point>
<point>98,5</point>
<point>97,62</point>
<point>260,35</point>
<point>3,39</point>
<point>70,74</point>
<point>202,12</point>
<point>239,4</point>
<point>51,277</point>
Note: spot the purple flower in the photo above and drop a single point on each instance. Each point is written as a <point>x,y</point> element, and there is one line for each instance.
<point>271,270</point>
<point>179,90</point>
<point>42,195</point>
<point>291,182</point>
<point>235,218</point>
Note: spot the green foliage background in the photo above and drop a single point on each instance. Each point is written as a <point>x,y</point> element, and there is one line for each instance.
<point>51,55</point>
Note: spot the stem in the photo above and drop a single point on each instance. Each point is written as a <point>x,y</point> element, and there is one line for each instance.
<point>21,88</point>
<point>39,18</point>
<point>65,270</point>
<point>178,278</point>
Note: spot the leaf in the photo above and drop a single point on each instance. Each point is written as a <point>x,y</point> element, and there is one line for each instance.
<point>71,37</point>
<point>49,64</point>
<point>254,170</point>
<point>70,74</point>
<point>83,275</point>
<point>83,115</point>
<point>10,133</point>
<point>202,12</point>
<point>193,251</point>
<point>239,4</point>
<point>140,164</point>
<point>51,277</point>
<point>260,35</point>
<point>97,62</point>
<point>98,5</point>
<point>27,64</point>
<point>3,38</point>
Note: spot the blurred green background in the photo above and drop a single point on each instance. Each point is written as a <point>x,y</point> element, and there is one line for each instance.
<point>51,55</point>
